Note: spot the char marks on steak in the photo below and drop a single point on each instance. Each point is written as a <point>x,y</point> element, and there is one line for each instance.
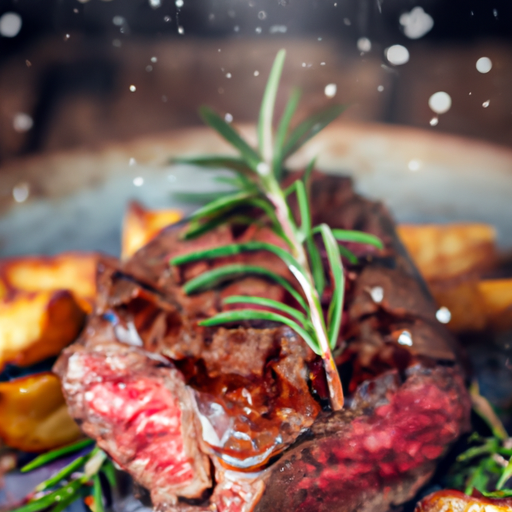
<point>245,401</point>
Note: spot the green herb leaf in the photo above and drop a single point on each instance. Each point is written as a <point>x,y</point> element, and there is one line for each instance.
<point>317,267</point>
<point>63,473</point>
<point>267,107</point>
<point>282,132</point>
<point>309,128</point>
<point>505,477</point>
<point>56,454</point>
<point>54,497</point>
<point>254,314</point>
<point>64,503</point>
<point>336,306</point>
<point>345,235</point>
<point>248,154</point>
<point>231,163</point>
<point>222,204</point>
<point>263,301</point>
<point>97,494</point>
<point>212,278</point>
<point>234,249</point>
<point>110,473</point>
<point>199,197</point>
<point>346,253</point>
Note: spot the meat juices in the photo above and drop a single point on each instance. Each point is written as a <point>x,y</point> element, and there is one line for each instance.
<point>233,418</point>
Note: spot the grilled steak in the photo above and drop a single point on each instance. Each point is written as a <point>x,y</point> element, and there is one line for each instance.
<point>235,418</point>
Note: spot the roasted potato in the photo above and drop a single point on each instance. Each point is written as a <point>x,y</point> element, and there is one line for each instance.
<point>141,225</point>
<point>75,272</point>
<point>447,251</point>
<point>476,305</point>
<point>34,326</point>
<point>456,501</point>
<point>33,414</point>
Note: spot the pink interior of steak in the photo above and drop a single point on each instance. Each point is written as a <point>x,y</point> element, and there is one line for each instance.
<point>243,394</point>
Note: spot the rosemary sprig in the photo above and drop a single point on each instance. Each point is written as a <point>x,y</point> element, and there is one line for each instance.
<point>486,465</point>
<point>68,484</point>
<point>259,172</point>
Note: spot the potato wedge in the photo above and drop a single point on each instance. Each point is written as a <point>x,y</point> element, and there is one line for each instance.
<point>141,225</point>
<point>67,271</point>
<point>456,501</point>
<point>476,305</point>
<point>34,415</point>
<point>34,326</point>
<point>446,251</point>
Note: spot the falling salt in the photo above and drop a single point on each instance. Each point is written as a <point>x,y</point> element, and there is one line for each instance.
<point>377,294</point>
<point>167,19</point>
<point>132,162</point>
<point>116,43</point>
<point>10,24</point>
<point>278,29</point>
<point>405,338</point>
<point>179,4</point>
<point>434,121</point>
<point>262,15</point>
<point>228,75</point>
<point>397,54</point>
<point>155,4</point>
<point>440,102</point>
<point>220,90</point>
<point>181,30</point>
<point>133,88</point>
<point>416,23</point>
<point>154,59</point>
<point>236,28</point>
<point>347,22</point>
<point>484,65</point>
<point>322,63</point>
<point>149,69</point>
<point>66,37</point>
<point>414,165</point>
<point>380,88</point>
<point>22,122</point>
<point>485,104</point>
<point>118,21</point>
<point>21,192</point>
<point>364,44</point>
<point>256,73</point>
<point>228,118</point>
<point>263,168</point>
<point>258,30</point>
<point>28,63</point>
<point>138,181</point>
<point>330,90</point>
<point>443,315</point>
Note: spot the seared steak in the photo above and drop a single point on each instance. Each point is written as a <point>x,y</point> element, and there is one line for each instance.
<point>235,418</point>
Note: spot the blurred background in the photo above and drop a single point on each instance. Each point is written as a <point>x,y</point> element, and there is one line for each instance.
<point>77,73</point>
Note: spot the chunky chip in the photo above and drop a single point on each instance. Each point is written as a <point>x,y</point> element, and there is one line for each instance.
<point>476,305</point>
<point>34,414</point>
<point>34,326</point>
<point>141,225</point>
<point>67,271</point>
<point>456,501</point>
<point>447,251</point>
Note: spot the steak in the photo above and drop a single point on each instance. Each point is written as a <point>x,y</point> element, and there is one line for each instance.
<point>236,418</point>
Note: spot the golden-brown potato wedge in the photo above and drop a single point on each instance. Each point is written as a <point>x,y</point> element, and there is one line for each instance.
<point>34,415</point>
<point>34,326</point>
<point>446,251</point>
<point>68,271</point>
<point>141,225</point>
<point>496,297</point>
<point>476,305</point>
<point>456,501</point>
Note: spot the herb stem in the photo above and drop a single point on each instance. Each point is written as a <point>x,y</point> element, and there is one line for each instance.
<point>284,214</point>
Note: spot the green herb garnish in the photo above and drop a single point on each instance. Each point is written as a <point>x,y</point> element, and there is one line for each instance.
<point>485,465</point>
<point>258,173</point>
<point>77,479</point>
